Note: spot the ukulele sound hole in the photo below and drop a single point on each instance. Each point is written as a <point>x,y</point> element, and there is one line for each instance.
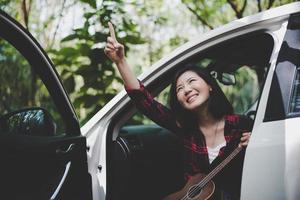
<point>194,191</point>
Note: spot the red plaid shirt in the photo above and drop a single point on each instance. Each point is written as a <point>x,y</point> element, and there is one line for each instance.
<point>195,154</point>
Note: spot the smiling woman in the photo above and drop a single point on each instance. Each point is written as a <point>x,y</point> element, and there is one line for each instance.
<point>240,68</point>
<point>200,117</point>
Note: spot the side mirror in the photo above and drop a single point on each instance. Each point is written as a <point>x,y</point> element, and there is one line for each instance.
<point>225,78</point>
<point>228,79</point>
<point>30,121</point>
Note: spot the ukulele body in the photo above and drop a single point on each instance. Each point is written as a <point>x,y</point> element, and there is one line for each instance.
<point>187,193</point>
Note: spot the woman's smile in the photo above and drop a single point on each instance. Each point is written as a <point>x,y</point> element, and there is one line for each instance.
<point>191,98</point>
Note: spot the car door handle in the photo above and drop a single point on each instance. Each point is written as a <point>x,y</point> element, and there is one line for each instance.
<point>65,151</point>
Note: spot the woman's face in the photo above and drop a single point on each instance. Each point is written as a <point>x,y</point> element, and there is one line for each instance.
<point>192,91</point>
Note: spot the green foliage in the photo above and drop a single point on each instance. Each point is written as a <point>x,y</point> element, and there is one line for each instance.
<point>86,72</point>
<point>4,3</point>
<point>245,92</point>
<point>209,13</point>
<point>15,88</point>
<point>92,3</point>
<point>214,13</point>
<point>19,85</point>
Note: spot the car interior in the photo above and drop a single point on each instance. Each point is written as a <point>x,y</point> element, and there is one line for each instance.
<point>145,158</point>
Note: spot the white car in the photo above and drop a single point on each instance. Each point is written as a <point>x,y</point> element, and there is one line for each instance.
<point>110,158</point>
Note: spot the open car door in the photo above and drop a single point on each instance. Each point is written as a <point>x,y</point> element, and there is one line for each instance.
<point>42,152</point>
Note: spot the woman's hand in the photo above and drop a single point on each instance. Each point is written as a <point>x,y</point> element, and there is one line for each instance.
<point>245,139</point>
<point>113,49</point>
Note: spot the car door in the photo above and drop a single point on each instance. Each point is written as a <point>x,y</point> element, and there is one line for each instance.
<point>271,168</point>
<point>37,162</point>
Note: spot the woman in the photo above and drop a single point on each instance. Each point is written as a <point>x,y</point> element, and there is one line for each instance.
<point>200,116</point>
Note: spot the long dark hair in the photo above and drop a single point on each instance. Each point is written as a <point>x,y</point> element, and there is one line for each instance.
<point>218,104</point>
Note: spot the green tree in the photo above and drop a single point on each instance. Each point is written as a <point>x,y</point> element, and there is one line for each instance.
<point>217,12</point>
<point>88,75</point>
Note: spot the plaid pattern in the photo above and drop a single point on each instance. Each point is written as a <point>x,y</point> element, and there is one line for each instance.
<point>195,153</point>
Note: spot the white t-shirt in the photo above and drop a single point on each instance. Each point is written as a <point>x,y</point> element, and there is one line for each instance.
<point>214,152</point>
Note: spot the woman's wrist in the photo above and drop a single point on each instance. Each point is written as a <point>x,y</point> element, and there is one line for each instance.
<point>121,62</point>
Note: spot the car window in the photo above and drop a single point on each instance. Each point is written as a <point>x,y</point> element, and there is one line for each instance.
<point>21,88</point>
<point>295,99</point>
<point>138,118</point>
<point>245,92</point>
<point>247,58</point>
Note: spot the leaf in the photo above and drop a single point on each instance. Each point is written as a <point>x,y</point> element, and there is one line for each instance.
<point>97,55</point>
<point>88,15</point>
<point>69,83</point>
<point>85,71</point>
<point>68,51</point>
<point>129,25</point>
<point>108,80</point>
<point>92,3</point>
<point>69,38</point>
<point>100,37</point>
<point>87,100</point>
<point>133,39</point>
<point>84,49</point>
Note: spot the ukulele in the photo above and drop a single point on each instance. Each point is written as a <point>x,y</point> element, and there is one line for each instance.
<point>201,186</point>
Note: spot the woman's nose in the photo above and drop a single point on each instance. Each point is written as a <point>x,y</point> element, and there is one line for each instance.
<point>187,90</point>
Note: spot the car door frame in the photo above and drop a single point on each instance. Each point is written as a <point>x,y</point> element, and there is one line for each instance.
<point>270,168</point>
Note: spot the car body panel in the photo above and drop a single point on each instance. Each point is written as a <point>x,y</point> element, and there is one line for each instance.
<point>292,144</point>
<point>271,156</point>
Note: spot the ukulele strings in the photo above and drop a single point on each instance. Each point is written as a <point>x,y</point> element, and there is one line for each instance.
<point>195,190</point>
<point>206,179</point>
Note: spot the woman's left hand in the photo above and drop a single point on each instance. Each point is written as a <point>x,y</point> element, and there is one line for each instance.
<point>245,139</point>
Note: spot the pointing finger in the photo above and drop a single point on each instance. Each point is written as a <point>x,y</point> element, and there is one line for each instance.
<point>112,31</point>
<point>110,49</point>
<point>109,45</point>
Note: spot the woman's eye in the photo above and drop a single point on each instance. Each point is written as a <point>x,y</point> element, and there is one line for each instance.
<point>192,80</point>
<point>179,89</point>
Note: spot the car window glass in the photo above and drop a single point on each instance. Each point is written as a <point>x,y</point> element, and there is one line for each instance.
<point>138,118</point>
<point>245,92</point>
<point>21,88</point>
<point>295,100</point>
<point>246,58</point>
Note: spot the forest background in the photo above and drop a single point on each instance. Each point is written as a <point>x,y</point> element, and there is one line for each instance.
<point>73,33</point>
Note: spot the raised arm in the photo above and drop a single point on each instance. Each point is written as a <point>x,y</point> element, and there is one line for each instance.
<point>115,51</point>
<point>136,90</point>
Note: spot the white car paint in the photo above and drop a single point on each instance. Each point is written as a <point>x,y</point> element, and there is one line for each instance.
<point>266,138</point>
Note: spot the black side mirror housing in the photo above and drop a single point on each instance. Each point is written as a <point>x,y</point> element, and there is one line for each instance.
<point>224,78</point>
<point>30,121</point>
